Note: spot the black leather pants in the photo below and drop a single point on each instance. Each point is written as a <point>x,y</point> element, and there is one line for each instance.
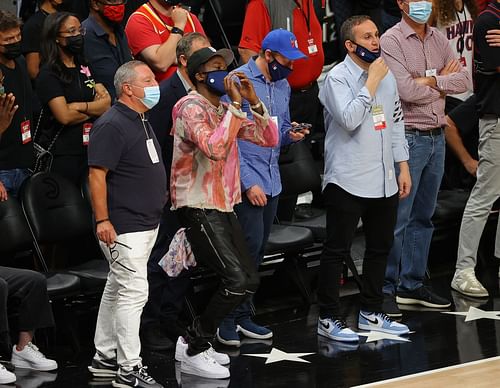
<point>218,243</point>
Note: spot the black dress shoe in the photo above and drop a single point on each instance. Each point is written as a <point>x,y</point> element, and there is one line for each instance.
<point>390,307</point>
<point>154,338</point>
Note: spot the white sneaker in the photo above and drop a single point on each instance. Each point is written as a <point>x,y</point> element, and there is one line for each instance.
<point>336,329</point>
<point>6,377</point>
<point>181,349</point>
<point>203,365</point>
<point>465,282</point>
<point>31,358</point>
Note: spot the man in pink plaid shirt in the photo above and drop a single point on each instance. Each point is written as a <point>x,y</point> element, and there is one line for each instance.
<point>426,70</point>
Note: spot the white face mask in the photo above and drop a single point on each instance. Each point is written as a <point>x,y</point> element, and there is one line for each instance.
<point>151,96</point>
<point>420,11</point>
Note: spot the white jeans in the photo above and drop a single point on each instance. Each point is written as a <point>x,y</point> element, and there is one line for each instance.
<point>124,296</point>
<point>483,195</point>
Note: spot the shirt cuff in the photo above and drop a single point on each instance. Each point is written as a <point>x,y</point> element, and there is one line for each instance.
<point>401,153</point>
<point>440,82</point>
<point>237,112</point>
<point>365,97</point>
<point>248,181</point>
<point>264,115</point>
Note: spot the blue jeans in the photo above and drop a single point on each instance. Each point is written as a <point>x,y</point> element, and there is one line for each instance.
<point>407,260</point>
<point>256,222</point>
<point>13,179</point>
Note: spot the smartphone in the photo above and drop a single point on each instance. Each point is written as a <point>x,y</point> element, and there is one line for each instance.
<point>235,78</point>
<point>300,127</point>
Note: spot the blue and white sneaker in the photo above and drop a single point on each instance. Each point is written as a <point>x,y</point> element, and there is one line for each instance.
<point>251,330</point>
<point>336,330</point>
<point>380,322</point>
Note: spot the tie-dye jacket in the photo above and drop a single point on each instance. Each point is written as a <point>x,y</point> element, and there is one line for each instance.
<point>205,163</point>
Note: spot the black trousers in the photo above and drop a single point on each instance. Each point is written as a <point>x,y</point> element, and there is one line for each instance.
<point>343,213</point>
<point>305,107</point>
<point>166,294</point>
<point>218,243</point>
<point>26,292</point>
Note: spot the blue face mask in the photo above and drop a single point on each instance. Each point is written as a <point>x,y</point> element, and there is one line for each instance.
<point>420,11</point>
<point>365,54</point>
<point>277,71</point>
<point>215,81</point>
<point>151,96</point>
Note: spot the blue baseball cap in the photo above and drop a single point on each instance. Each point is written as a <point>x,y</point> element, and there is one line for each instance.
<point>283,42</point>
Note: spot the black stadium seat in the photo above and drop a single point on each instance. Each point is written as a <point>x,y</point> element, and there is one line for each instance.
<point>16,237</point>
<point>58,214</point>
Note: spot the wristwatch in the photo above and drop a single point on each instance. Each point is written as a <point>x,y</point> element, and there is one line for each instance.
<point>176,30</point>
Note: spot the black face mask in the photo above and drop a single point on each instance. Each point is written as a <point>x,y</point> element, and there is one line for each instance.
<point>13,50</point>
<point>74,44</point>
<point>59,7</point>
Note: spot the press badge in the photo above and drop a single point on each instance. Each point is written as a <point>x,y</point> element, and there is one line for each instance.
<point>86,133</point>
<point>311,46</point>
<point>26,131</point>
<point>153,155</point>
<point>431,73</point>
<point>378,117</point>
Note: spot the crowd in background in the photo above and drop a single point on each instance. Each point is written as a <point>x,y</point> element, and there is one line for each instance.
<point>74,74</point>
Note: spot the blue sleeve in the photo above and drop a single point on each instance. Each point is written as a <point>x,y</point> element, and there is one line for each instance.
<point>285,130</point>
<point>337,98</point>
<point>248,177</point>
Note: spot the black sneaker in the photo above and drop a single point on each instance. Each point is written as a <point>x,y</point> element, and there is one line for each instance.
<point>138,377</point>
<point>7,365</point>
<point>103,368</point>
<point>422,296</point>
<point>390,307</point>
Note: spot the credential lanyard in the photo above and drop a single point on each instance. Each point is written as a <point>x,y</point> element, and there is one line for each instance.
<point>308,16</point>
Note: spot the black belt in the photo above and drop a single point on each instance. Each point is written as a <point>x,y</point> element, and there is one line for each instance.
<point>304,88</point>
<point>425,132</point>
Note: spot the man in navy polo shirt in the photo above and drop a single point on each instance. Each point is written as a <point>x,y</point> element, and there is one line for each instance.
<point>129,189</point>
<point>106,46</point>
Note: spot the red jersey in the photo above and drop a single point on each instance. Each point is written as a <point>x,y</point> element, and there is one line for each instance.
<point>147,27</point>
<point>482,4</point>
<point>306,28</point>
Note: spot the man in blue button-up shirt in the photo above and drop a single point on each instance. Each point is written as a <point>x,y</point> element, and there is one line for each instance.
<point>260,176</point>
<point>365,138</point>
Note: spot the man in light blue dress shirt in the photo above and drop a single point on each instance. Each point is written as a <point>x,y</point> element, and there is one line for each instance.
<point>260,175</point>
<point>364,139</point>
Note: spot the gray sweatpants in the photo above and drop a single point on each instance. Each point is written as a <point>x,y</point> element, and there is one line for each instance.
<point>483,195</point>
